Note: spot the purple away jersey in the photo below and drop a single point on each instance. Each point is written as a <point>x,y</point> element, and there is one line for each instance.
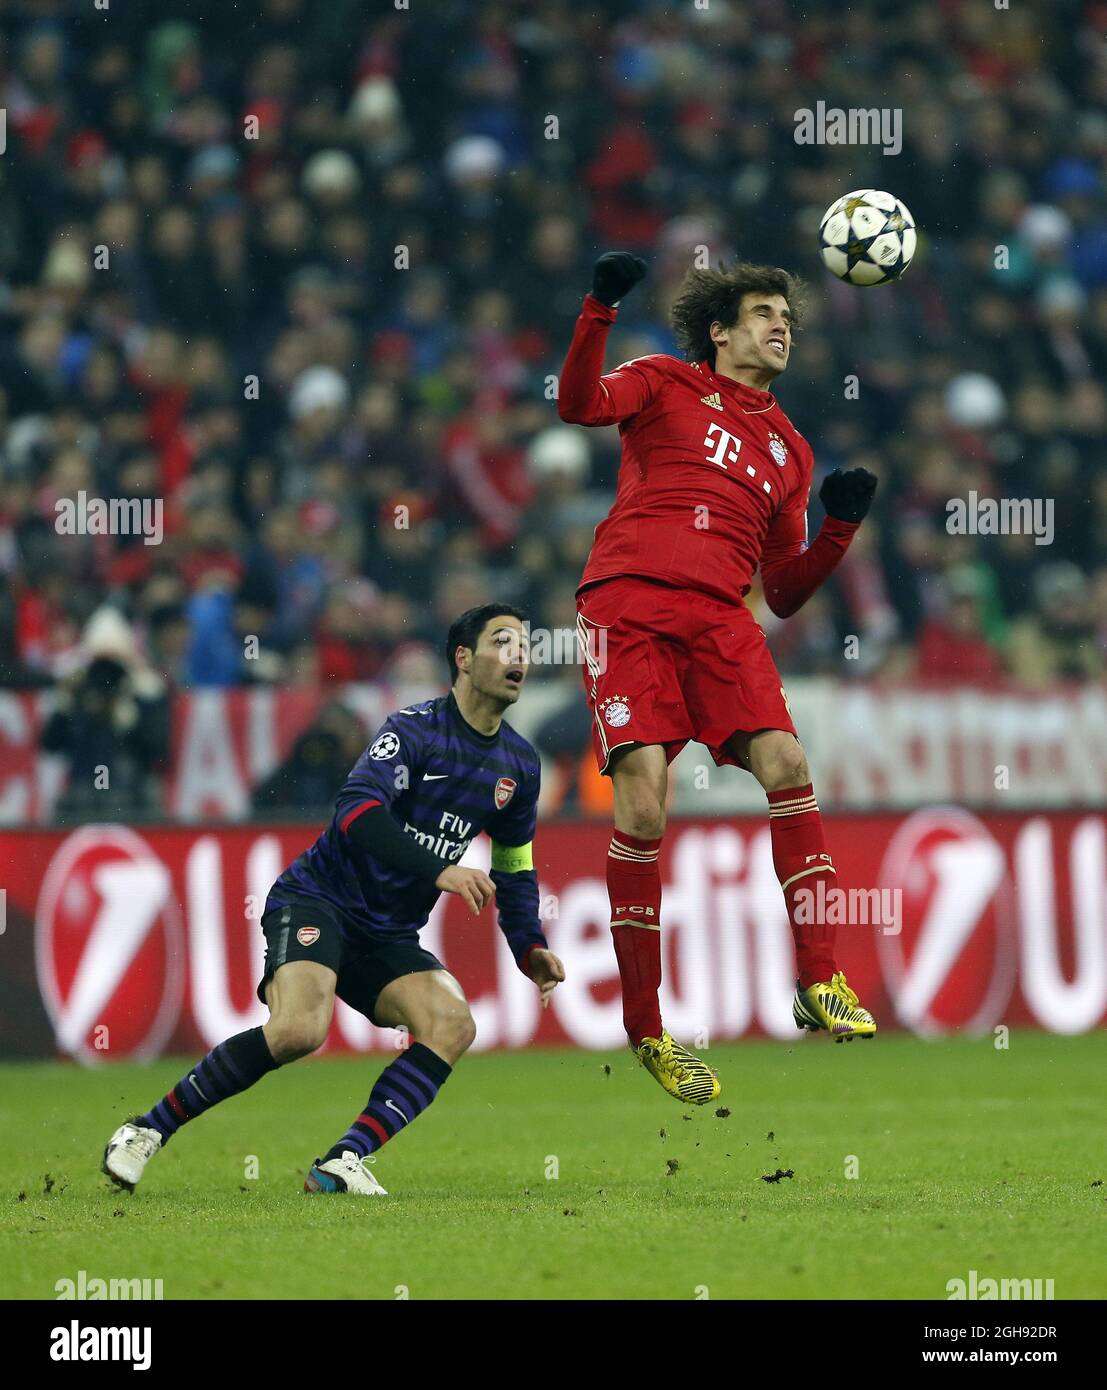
<point>444,783</point>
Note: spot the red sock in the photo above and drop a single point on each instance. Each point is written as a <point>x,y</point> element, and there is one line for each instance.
<point>799,853</point>
<point>634,886</point>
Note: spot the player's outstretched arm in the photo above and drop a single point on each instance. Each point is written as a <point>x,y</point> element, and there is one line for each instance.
<point>512,871</point>
<point>377,834</point>
<point>584,395</point>
<point>545,969</point>
<point>517,899</point>
<point>472,886</point>
<point>848,496</point>
<point>615,274</point>
<point>790,573</point>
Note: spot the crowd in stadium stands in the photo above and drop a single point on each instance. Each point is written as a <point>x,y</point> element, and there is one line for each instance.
<point>305,272</point>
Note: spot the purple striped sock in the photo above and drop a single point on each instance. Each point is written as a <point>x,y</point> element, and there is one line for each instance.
<point>231,1067</point>
<point>403,1091</point>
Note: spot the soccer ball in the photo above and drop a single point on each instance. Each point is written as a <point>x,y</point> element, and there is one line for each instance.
<point>867,237</point>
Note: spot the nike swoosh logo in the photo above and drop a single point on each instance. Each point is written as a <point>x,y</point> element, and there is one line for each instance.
<point>393,1106</point>
<point>196,1087</point>
<point>434,776</point>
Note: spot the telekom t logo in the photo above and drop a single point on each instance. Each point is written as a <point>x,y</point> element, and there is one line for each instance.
<point>725,451</point>
<point>725,447</point>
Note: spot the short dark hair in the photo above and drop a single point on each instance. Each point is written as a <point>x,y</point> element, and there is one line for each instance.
<point>715,296</point>
<point>465,631</point>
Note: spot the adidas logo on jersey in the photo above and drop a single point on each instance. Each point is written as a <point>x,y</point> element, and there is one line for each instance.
<point>715,401</point>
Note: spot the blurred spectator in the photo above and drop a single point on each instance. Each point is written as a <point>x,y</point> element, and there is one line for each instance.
<point>111,725</point>
<point>230,632</point>
<point>1059,640</point>
<point>954,644</point>
<point>305,783</point>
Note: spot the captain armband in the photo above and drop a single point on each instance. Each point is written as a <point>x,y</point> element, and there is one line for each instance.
<point>512,859</point>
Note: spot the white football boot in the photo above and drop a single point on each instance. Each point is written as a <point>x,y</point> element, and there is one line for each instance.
<point>346,1174</point>
<point>129,1150</point>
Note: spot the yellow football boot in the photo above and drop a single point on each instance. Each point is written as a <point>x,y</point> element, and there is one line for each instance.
<point>682,1075</point>
<point>835,1007</point>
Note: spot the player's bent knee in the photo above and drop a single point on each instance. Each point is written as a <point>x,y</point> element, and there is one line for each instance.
<point>465,1033</point>
<point>644,820</point>
<point>639,811</point>
<point>783,764</point>
<point>296,1037</point>
<point>638,778</point>
<point>449,1032</point>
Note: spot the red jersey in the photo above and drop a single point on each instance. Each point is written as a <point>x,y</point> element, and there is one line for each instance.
<point>714,480</point>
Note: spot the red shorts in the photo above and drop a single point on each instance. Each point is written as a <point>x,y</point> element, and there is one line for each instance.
<point>665,665</point>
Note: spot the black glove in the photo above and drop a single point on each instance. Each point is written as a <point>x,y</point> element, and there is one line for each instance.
<point>616,273</point>
<point>848,496</point>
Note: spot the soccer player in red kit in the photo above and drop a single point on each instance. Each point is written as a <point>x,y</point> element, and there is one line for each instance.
<point>714,482</point>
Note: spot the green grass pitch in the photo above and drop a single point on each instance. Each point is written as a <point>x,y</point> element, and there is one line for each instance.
<point>967,1157</point>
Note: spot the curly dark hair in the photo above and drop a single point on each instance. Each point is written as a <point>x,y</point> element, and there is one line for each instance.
<point>713,296</point>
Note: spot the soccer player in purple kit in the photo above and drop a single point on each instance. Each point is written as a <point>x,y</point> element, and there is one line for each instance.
<point>344,918</point>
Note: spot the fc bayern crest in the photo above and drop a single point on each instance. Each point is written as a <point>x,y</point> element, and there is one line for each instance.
<point>777,448</point>
<point>616,710</point>
<point>505,790</point>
